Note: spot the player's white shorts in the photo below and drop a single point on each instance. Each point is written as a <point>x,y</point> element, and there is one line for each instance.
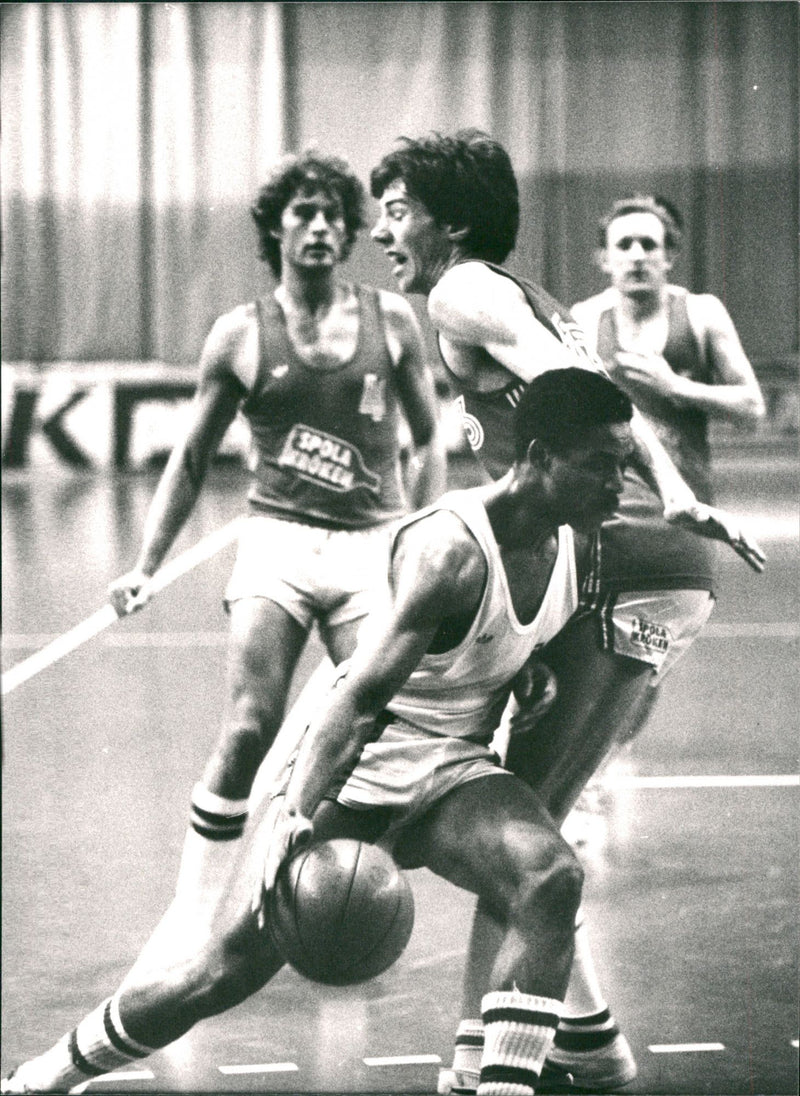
<point>310,571</point>
<point>409,769</point>
<point>655,626</point>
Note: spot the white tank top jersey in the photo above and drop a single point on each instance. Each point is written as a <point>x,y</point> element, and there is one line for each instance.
<point>461,693</point>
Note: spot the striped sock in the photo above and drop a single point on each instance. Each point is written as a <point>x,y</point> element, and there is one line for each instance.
<point>579,1034</point>
<point>98,1045</point>
<point>469,1046</point>
<point>518,1031</point>
<point>215,817</point>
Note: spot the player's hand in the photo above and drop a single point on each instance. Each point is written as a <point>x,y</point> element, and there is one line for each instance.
<point>710,521</point>
<point>645,374</point>
<point>285,831</point>
<point>535,690</point>
<point>130,592</point>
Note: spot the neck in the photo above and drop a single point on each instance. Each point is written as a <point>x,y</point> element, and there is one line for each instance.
<point>441,267</point>
<point>519,513</point>
<point>644,305</point>
<point>312,292</point>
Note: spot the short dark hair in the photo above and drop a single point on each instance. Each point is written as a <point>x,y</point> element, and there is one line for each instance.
<point>662,208</point>
<point>560,406</point>
<point>465,181</point>
<point>306,172</point>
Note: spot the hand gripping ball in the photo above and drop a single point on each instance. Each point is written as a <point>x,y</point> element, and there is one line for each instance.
<point>341,912</point>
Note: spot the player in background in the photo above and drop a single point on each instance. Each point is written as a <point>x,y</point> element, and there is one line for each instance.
<point>322,370</point>
<point>449,216</point>
<point>677,354</point>
<point>402,751</point>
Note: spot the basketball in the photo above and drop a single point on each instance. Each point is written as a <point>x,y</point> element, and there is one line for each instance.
<point>341,912</point>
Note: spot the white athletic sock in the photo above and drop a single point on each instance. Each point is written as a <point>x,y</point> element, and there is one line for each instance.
<point>98,1045</point>
<point>584,995</point>
<point>586,1023</point>
<point>216,826</point>
<point>469,1046</point>
<point>518,1031</point>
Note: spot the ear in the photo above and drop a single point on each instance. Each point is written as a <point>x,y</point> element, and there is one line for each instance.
<point>457,235</point>
<point>538,455</point>
<point>601,259</point>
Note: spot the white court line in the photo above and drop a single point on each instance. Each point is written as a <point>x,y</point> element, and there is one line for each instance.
<point>752,630</point>
<point>123,1075</point>
<point>684,1048</point>
<point>405,1060</point>
<point>104,617</point>
<point>268,1067</point>
<point>788,781</point>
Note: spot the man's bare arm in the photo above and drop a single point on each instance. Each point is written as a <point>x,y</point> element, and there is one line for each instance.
<point>214,407</point>
<point>418,398</point>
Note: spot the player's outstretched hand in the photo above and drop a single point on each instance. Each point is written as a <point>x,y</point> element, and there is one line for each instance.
<point>130,592</point>
<point>711,521</point>
<point>284,832</point>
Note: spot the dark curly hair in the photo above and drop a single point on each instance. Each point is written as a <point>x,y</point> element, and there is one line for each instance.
<point>560,406</point>
<point>662,208</point>
<point>304,173</point>
<point>464,181</point>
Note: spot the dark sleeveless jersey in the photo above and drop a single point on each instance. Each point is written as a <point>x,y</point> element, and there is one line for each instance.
<point>325,445</point>
<point>639,550</point>
<point>682,431</point>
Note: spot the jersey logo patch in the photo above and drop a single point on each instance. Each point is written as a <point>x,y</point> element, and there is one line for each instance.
<point>326,460</point>
<point>651,636</point>
<point>472,426</point>
<point>573,337</point>
<point>373,397</point>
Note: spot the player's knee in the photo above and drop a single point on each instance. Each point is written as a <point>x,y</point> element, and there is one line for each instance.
<point>551,884</point>
<point>254,722</point>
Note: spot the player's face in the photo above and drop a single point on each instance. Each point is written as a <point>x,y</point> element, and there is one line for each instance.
<point>419,250</point>
<point>586,482</point>
<point>312,232</point>
<point>636,256</point>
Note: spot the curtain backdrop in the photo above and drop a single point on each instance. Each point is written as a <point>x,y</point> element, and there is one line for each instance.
<point>136,135</point>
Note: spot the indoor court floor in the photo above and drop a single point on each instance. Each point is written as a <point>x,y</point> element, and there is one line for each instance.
<point>691,899</point>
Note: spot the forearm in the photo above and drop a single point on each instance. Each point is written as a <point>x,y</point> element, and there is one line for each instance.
<point>329,752</point>
<point>658,466</point>
<point>427,473</point>
<point>729,401</point>
<point>175,497</point>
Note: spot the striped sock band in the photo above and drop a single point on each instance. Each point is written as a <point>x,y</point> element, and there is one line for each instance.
<point>100,1043</point>
<point>469,1046</point>
<point>216,818</point>
<point>518,1031</point>
<point>577,1034</point>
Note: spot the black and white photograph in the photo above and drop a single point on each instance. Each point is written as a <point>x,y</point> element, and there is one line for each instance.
<point>400,547</point>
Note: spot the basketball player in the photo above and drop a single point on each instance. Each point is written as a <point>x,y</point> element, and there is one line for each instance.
<point>449,216</point>
<point>675,353</point>
<point>402,751</point>
<point>321,369</point>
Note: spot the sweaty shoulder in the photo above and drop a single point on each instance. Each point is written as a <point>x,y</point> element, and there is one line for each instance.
<point>444,553</point>
<point>471,294</point>
<point>703,309</point>
<point>232,345</point>
<point>588,312</point>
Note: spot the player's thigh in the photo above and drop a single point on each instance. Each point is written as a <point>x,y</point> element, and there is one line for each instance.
<point>340,639</point>
<point>485,836</point>
<point>601,696</point>
<point>264,646</point>
<point>333,820</point>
